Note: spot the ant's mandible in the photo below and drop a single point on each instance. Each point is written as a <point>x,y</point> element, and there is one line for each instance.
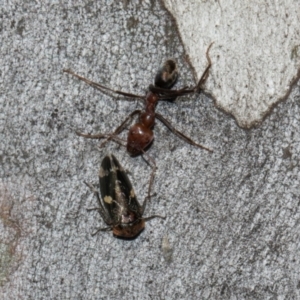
<point>140,135</point>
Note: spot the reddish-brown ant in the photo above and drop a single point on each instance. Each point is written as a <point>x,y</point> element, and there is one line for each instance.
<point>140,135</point>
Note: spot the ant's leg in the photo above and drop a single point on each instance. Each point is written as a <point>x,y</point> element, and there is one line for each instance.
<point>97,136</point>
<point>111,136</point>
<point>151,180</point>
<point>116,139</point>
<point>206,71</point>
<point>102,136</point>
<point>148,198</point>
<point>102,87</point>
<point>180,134</point>
<point>101,229</point>
<point>154,216</point>
<point>120,128</point>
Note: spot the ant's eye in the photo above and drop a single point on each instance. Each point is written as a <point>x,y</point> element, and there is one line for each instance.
<point>166,75</point>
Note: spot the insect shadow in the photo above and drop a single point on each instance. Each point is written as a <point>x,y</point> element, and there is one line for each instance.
<point>119,207</point>
<point>140,135</point>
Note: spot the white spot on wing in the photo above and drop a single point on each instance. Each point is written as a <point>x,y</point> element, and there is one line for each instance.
<point>132,194</point>
<point>108,199</point>
<point>103,173</point>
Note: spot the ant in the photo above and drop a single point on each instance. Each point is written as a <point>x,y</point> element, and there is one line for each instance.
<point>140,134</point>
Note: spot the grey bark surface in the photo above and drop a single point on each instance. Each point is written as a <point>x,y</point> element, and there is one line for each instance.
<point>232,228</point>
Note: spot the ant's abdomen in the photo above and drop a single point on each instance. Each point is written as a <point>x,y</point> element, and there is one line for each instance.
<point>139,138</point>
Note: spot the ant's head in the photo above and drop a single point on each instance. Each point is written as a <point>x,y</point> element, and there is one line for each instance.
<point>167,75</point>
